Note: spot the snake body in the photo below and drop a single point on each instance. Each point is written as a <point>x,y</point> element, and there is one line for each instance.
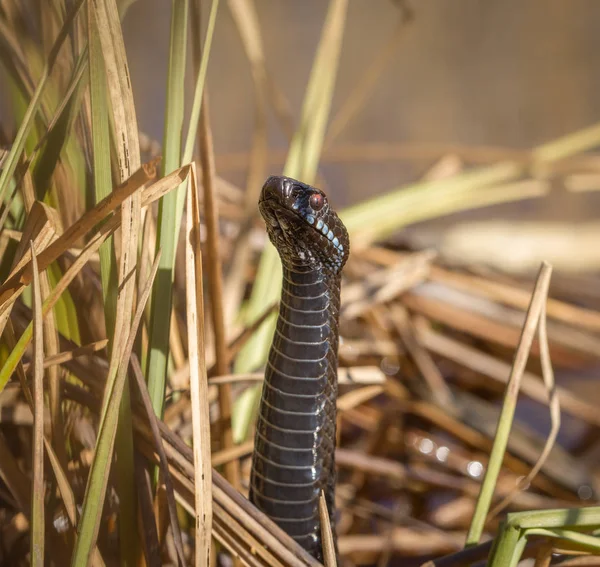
<point>293,459</point>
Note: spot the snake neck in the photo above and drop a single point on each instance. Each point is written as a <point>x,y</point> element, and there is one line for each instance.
<point>294,457</point>
<point>310,297</point>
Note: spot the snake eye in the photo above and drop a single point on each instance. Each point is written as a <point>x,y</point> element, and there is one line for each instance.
<point>316,201</point>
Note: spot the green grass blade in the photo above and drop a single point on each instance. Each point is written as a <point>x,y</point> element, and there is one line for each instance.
<point>379,217</point>
<point>588,517</point>
<point>101,165</point>
<point>586,542</point>
<point>191,136</point>
<point>308,140</point>
<point>59,143</point>
<point>171,207</point>
<point>190,139</point>
<point>27,123</point>
<point>508,547</point>
<point>98,477</point>
<point>168,223</point>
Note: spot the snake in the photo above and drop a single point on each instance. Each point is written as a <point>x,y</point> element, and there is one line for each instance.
<point>293,461</point>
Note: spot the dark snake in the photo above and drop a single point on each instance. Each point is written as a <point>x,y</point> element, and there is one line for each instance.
<point>293,460</point>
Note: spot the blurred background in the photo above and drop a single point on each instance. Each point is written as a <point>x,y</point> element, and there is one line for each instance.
<point>470,82</point>
<point>503,92</point>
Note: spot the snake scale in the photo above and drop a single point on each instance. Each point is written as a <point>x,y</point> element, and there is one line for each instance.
<point>293,459</point>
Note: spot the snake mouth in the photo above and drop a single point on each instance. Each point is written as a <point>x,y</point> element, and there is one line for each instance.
<point>284,221</point>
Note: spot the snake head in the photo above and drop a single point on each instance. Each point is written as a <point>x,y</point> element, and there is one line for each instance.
<point>302,225</point>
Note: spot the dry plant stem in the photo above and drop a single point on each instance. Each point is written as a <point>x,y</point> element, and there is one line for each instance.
<point>50,343</point>
<point>215,281</point>
<point>145,514</point>
<point>242,338</point>
<point>516,297</point>
<point>483,327</point>
<point>554,405</point>
<point>544,556</point>
<point>16,354</point>
<point>538,299</point>
<point>438,388</point>
<point>248,517</point>
<point>198,378</point>
<point>498,370</point>
<point>38,491</point>
<point>50,332</point>
<point>219,458</point>
<point>68,355</point>
<point>593,561</point>
<point>62,481</point>
<point>326,534</point>
<point>164,466</point>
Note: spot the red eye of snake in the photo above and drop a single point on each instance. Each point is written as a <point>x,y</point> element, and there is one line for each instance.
<point>316,201</point>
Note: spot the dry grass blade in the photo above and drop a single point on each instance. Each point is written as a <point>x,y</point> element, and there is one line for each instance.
<point>155,191</point>
<point>41,226</point>
<point>499,371</point>
<point>326,534</point>
<point>198,377</point>
<point>37,493</point>
<point>64,487</point>
<point>164,465</point>
<point>358,397</point>
<point>516,297</point>
<point>385,285</point>
<point>121,95</point>
<point>534,312</point>
<point>366,84</point>
<point>554,404</point>
<point>215,281</point>
<point>51,345</point>
<point>146,512</point>
<point>124,123</point>
<point>219,458</point>
<point>22,277</point>
<point>190,139</point>
<point>98,479</point>
<point>438,388</point>
<point>92,246</point>
<point>85,350</point>
<point>246,19</point>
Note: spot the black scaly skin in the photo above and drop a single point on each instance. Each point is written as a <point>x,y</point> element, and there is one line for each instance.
<point>293,458</point>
